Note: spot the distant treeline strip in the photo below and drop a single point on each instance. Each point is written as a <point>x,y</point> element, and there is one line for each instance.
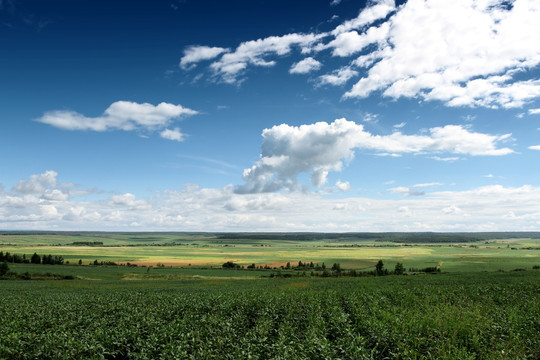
<point>412,238</point>
<point>34,259</point>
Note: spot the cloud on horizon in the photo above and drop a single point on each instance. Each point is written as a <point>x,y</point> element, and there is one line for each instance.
<point>29,205</point>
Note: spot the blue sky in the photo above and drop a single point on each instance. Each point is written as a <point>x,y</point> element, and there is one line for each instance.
<point>270,115</point>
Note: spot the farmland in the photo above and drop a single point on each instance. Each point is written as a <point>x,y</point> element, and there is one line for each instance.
<point>484,304</point>
<point>451,316</point>
<point>478,253</point>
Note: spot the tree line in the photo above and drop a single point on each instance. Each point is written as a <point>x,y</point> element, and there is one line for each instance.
<point>34,259</point>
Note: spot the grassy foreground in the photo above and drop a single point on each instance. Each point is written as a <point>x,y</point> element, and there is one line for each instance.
<point>444,316</point>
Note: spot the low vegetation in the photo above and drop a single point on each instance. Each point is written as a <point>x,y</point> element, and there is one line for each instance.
<point>348,300</point>
<point>474,316</point>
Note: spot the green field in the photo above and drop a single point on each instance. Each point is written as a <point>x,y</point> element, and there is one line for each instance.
<point>443,316</point>
<point>212,250</point>
<point>483,304</point>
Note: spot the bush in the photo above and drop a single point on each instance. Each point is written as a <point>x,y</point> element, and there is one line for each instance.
<point>4,268</point>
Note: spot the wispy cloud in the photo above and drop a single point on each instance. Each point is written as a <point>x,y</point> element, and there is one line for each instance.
<point>122,115</point>
<point>405,191</point>
<point>195,54</point>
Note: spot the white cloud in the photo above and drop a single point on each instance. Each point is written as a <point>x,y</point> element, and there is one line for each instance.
<point>335,2</point>
<point>37,184</point>
<point>446,159</point>
<point>534,147</point>
<point>205,209</point>
<point>305,66</point>
<point>405,191</point>
<point>121,115</point>
<point>465,53</point>
<point>379,10</point>
<point>430,184</point>
<point>343,185</point>
<point>400,125</point>
<point>337,77</point>
<point>231,65</point>
<point>321,147</point>
<point>174,134</point>
<point>349,43</point>
<point>195,54</point>
<point>371,118</point>
<point>534,111</point>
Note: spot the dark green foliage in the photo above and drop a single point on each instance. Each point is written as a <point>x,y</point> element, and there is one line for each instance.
<point>4,268</point>
<point>230,265</point>
<point>379,268</point>
<point>476,316</point>
<point>35,259</point>
<point>399,269</point>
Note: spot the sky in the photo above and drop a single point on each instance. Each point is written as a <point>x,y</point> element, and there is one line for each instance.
<point>270,115</point>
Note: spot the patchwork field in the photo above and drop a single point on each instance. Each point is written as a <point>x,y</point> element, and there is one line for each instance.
<point>212,250</point>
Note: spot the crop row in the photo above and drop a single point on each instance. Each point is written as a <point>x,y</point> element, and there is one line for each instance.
<point>411,317</point>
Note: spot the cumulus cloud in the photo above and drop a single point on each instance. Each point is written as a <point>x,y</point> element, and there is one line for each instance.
<point>37,184</point>
<point>174,134</point>
<point>343,185</point>
<point>322,147</point>
<point>462,53</point>
<point>466,53</point>
<point>195,54</point>
<point>120,115</point>
<point>305,66</point>
<point>534,111</point>
<point>534,147</point>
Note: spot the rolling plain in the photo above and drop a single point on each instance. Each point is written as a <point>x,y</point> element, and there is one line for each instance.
<point>176,300</point>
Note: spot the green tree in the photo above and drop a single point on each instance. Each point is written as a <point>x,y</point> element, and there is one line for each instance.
<point>399,269</point>
<point>4,268</point>
<point>35,259</point>
<point>379,268</point>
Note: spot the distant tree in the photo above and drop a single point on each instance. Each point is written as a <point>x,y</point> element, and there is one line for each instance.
<point>35,259</point>
<point>379,268</point>
<point>288,265</point>
<point>399,269</point>
<point>336,267</point>
<point>300,263</point>
<point>80,261</point>
<point>4,268</point>
<point>230,265</point>
<point>323,266</point>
